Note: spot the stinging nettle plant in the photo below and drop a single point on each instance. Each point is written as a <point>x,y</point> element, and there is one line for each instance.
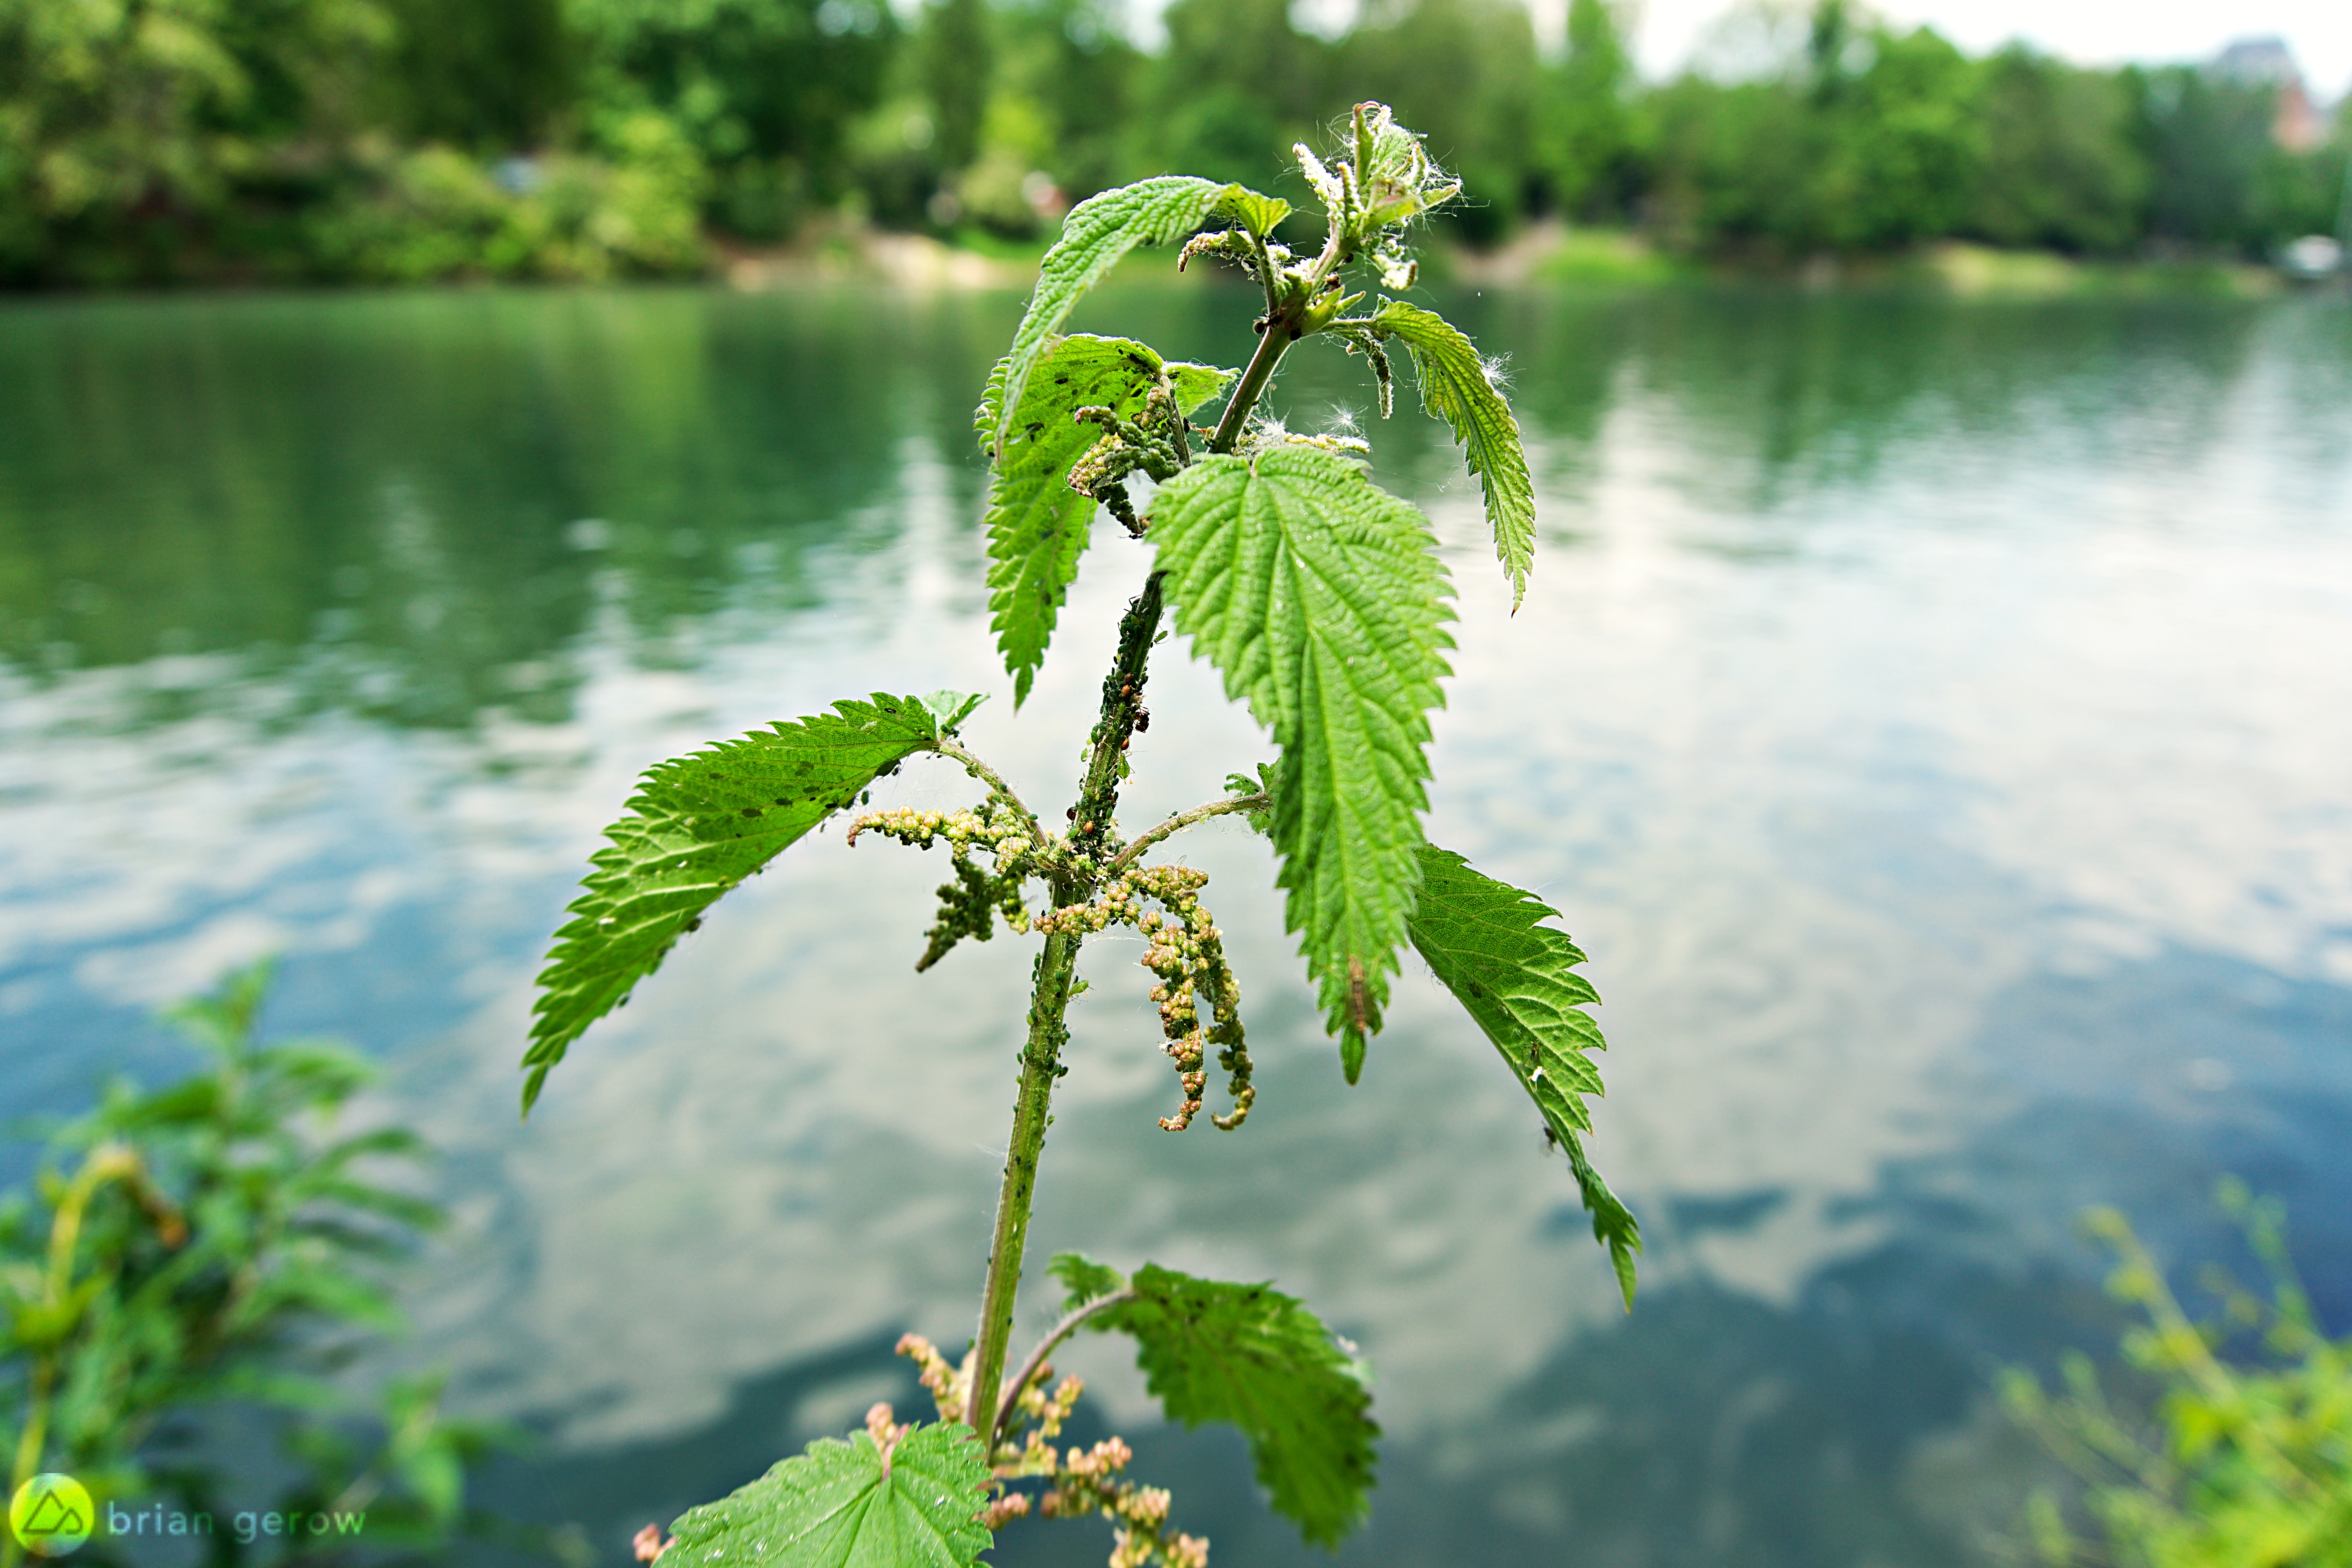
<point>1321,601</point>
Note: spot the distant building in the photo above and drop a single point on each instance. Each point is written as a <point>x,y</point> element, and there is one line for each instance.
<point>2299,123</point>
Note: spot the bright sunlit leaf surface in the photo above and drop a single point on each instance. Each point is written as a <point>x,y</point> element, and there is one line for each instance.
<point>846,1505</point>
<point>1320,599</point>
<point>697,827</point>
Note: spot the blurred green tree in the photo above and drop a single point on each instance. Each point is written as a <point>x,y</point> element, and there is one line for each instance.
<point>1905,145</point>
<point>124,129</point>
<point>2062,164</point>
<point>1876,143</point>
<point>1733,166</point>
<point>1586,152</point>
<point>2206,140</point>
<point>1238,84</point>
<point>956,56</point>
<point>492,78</point>
<point>764,91</point>
<point>372,139</point>
<point>1070,59</point>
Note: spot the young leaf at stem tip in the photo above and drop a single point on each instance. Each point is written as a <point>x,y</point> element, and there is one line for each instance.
<point>1515,978</point>
<point>850,1505</point>
<point>1320,599</point>
<point>697,827</point>
<point>950,709</point>
<point>1261,215</point>
<point>1266,784</point>
<point>1454,387</point>
<point>1251,1357</point>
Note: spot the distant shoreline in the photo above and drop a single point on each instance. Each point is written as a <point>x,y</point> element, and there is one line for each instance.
<point>1551,253</point>
<point>1545,254</point>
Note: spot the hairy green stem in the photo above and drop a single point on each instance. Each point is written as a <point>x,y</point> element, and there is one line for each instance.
<point>107,1162</point>
<point>1122,703</point>
<point>1265,273</point>
<point>1049,1002</point>
<point>1041,1064</point>
<point>1283,316</point>
<point>1260,371</point>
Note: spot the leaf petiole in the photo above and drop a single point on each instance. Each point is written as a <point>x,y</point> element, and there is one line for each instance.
<point>1181,821</point>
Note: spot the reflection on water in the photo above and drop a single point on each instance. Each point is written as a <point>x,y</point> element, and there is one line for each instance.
<point>1925,713</point>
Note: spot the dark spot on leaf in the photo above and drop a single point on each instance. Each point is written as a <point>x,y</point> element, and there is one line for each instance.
<point>751,811</point>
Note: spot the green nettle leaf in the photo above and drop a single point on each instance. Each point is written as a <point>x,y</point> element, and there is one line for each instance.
<point>1515,977</point>
<point>1196,383</point>
<point>1037,525</point>
<point>1083,1279</point>
<point>1320,599</point>
<point>850,1505</point>
<point>1454,388</point>
<point>1094,235</point>
<point>1261,215</point>
<point>697,827</point>
<point>1251,1357</point>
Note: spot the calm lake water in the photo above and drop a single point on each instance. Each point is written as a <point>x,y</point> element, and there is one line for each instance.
<point>1935,719</point>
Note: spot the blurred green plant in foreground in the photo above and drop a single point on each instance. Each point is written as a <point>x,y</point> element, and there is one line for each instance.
<point>2239,1466</point>
<point>208,1253</point>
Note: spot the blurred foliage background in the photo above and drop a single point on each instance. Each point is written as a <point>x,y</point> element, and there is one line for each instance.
<point>146,142</point>
<point>179,1291</point>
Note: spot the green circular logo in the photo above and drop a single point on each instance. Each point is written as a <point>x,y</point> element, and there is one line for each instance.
<point>51,1515</point>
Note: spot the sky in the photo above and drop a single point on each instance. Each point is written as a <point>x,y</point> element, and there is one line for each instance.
<point>2089,32</point>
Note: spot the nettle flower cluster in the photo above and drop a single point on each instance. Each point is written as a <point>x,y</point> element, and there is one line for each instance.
<point>1157,443</point>
<point>1187,955</point>
<point>1080,1482</point>
<point>1186,952</point>
<point>970,905</point>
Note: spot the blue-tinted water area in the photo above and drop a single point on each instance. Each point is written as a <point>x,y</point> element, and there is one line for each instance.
<point>1930,716</point>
